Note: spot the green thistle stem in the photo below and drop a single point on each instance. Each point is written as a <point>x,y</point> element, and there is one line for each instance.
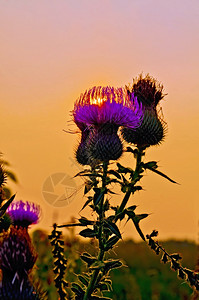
<point>138,170</point>
<point>94,277</point>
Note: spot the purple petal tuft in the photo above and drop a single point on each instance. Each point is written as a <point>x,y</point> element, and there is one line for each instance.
<point>101,105</point>
<point>24,213</point>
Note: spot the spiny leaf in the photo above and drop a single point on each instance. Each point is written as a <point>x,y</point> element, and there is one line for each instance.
<point>115,173</point>
<point>154,233</point>
<point>83,279</point>
<point>181,274</point>
<point>131,208</point>
<point>81,172</point>
<point>164,258</point>
<point>140,217</point>
<point>112,264</point>
<point>176,256</point>
<point>87,202</point>
<point>111,242</point>
<point>113,228</point>
<point>174,264</point>
<point>122,169</point>
<point>99,193</point>
<point>6,205</point>
<point>136,219</point>
<point>86,257</point>
<point>160,173</point>
<point>87,233</point>
<point>150,164</point>
<point>85,221</point>
<point>103,286</point>
<point>88,186</point>
<point>77,289</point>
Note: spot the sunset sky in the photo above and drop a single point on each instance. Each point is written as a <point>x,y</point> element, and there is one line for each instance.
<point>51,51</point>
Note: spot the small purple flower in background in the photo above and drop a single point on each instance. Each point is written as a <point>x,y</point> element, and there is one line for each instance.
<point>101,111</point>
<point>24,213</point>
<point>152,129</point>
<point>17,254</point>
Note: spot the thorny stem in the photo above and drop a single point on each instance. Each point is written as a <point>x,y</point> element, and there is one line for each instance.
<point>93,280</point>
<point>135,178</point>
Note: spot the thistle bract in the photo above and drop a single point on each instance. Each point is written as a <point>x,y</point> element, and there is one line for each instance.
<point>104,143</point>
<point>17,255</point>
<point>24,213</point>
<point>151,132</point>
<point>82,153</point>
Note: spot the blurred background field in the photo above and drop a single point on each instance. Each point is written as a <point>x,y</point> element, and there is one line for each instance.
<point>145,277</point>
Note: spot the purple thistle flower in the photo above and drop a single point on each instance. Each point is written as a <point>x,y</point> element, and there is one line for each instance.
<point>102,110</point>
<point>101,105</point>
<point>24,213</point>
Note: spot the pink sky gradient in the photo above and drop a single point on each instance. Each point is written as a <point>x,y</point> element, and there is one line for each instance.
<point>51,51</point>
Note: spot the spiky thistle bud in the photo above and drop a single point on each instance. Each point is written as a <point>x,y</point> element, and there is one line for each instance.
<point>147,90</point>
<point>152,129</point>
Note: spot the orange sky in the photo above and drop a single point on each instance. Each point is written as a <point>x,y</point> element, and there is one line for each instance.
<point>51,51</point>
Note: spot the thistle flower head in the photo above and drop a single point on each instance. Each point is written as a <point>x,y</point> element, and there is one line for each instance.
<point>100,105</point>
<point>148,91</point>
<point>24,213</point>
<point>17,255</point>
<point>98,113</point>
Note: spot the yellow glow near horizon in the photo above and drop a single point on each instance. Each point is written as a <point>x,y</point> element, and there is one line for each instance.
<point>51,51</point>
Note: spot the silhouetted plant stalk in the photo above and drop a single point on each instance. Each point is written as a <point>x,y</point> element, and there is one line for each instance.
<point>174,259</point>
<point>59,261</point>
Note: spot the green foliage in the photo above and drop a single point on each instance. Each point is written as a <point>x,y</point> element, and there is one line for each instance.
<point>191,276</point>
<point>144,279</point>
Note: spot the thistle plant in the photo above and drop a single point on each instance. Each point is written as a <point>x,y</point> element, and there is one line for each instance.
<point>17,254</point>
<point>107,119</point>
<point>59,261</point>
